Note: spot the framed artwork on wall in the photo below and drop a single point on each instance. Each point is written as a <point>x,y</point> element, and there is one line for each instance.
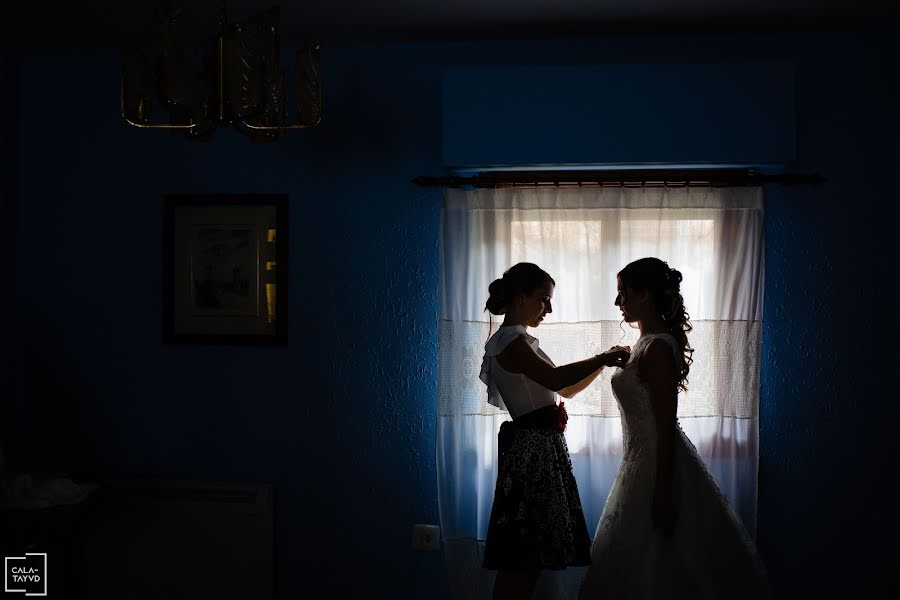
<point>225,260</point>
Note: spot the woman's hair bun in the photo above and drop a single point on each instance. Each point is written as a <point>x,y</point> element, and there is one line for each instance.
<point>496,304</point>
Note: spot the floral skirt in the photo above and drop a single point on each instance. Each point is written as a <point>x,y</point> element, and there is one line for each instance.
<point>536,521</point>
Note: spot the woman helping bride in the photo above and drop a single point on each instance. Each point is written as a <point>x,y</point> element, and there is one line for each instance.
<point>666,530</point>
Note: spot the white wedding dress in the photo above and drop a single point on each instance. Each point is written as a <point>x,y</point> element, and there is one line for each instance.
<point>709,555</point>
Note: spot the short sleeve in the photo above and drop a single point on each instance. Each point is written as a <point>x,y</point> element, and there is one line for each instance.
<point>673,345</point>
<point>494,346</point>
<point>504,337</point>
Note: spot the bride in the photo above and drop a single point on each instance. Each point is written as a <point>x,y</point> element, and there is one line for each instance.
<point>666,530</point>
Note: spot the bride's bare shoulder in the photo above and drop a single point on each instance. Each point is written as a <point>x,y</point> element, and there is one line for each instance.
<point>655,359</point>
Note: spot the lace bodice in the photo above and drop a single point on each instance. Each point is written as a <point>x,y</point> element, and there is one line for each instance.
<point>633,397</point>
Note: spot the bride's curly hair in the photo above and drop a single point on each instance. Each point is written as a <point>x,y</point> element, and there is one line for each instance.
<point>664,284</point>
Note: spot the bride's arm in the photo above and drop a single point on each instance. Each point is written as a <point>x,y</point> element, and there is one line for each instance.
<point>658,370</point>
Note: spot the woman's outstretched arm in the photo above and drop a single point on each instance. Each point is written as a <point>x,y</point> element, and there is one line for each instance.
<point>570,391</point>
<point>520,357</point>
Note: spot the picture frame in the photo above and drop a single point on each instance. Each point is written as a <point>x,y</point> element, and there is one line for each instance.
<point>225,264</point>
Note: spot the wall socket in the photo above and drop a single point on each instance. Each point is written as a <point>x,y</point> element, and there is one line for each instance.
<point>426,538</point>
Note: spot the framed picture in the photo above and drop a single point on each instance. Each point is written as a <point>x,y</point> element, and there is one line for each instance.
<point>225,260</point>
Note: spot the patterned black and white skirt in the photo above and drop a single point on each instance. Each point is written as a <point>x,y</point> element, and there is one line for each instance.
<point>536,520</point>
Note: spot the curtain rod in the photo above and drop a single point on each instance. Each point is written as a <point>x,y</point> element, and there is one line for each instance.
<point>621,178</point>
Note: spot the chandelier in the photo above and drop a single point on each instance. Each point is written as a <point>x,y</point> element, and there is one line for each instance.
<point>240,83</point>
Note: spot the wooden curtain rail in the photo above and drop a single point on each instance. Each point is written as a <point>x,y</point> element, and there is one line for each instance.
<point>622,178</point>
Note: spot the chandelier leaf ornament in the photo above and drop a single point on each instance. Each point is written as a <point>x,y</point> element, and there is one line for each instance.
<point>241,82</point>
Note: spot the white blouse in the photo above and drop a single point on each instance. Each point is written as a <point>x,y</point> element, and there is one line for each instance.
<point>513,391</point>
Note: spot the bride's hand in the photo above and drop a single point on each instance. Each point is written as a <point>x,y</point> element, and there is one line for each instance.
<point>616,356</point>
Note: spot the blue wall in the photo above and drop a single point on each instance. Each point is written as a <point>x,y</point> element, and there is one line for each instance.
<point>737,112</point>
<point>342,420</point>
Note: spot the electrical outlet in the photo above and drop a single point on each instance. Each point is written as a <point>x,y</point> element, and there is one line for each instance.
<point>426,538</point>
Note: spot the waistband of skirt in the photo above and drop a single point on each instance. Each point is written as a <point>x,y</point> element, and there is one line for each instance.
<point>553,416</point>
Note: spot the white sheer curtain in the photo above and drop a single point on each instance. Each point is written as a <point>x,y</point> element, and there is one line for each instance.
<point>583,237</point>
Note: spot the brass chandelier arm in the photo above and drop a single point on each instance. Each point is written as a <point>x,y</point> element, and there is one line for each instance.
<point>146,125</point>
<point>193,125</point>
<point>274,128</point>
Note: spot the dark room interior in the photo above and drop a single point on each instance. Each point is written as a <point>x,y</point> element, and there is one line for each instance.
<point>315,453</point>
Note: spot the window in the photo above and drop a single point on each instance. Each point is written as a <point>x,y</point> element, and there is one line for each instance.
<point>583,237</point>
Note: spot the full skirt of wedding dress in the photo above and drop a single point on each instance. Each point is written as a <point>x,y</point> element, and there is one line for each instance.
<point>708,556</point>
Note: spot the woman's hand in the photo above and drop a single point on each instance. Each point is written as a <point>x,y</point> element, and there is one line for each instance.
<point>616,356</point>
